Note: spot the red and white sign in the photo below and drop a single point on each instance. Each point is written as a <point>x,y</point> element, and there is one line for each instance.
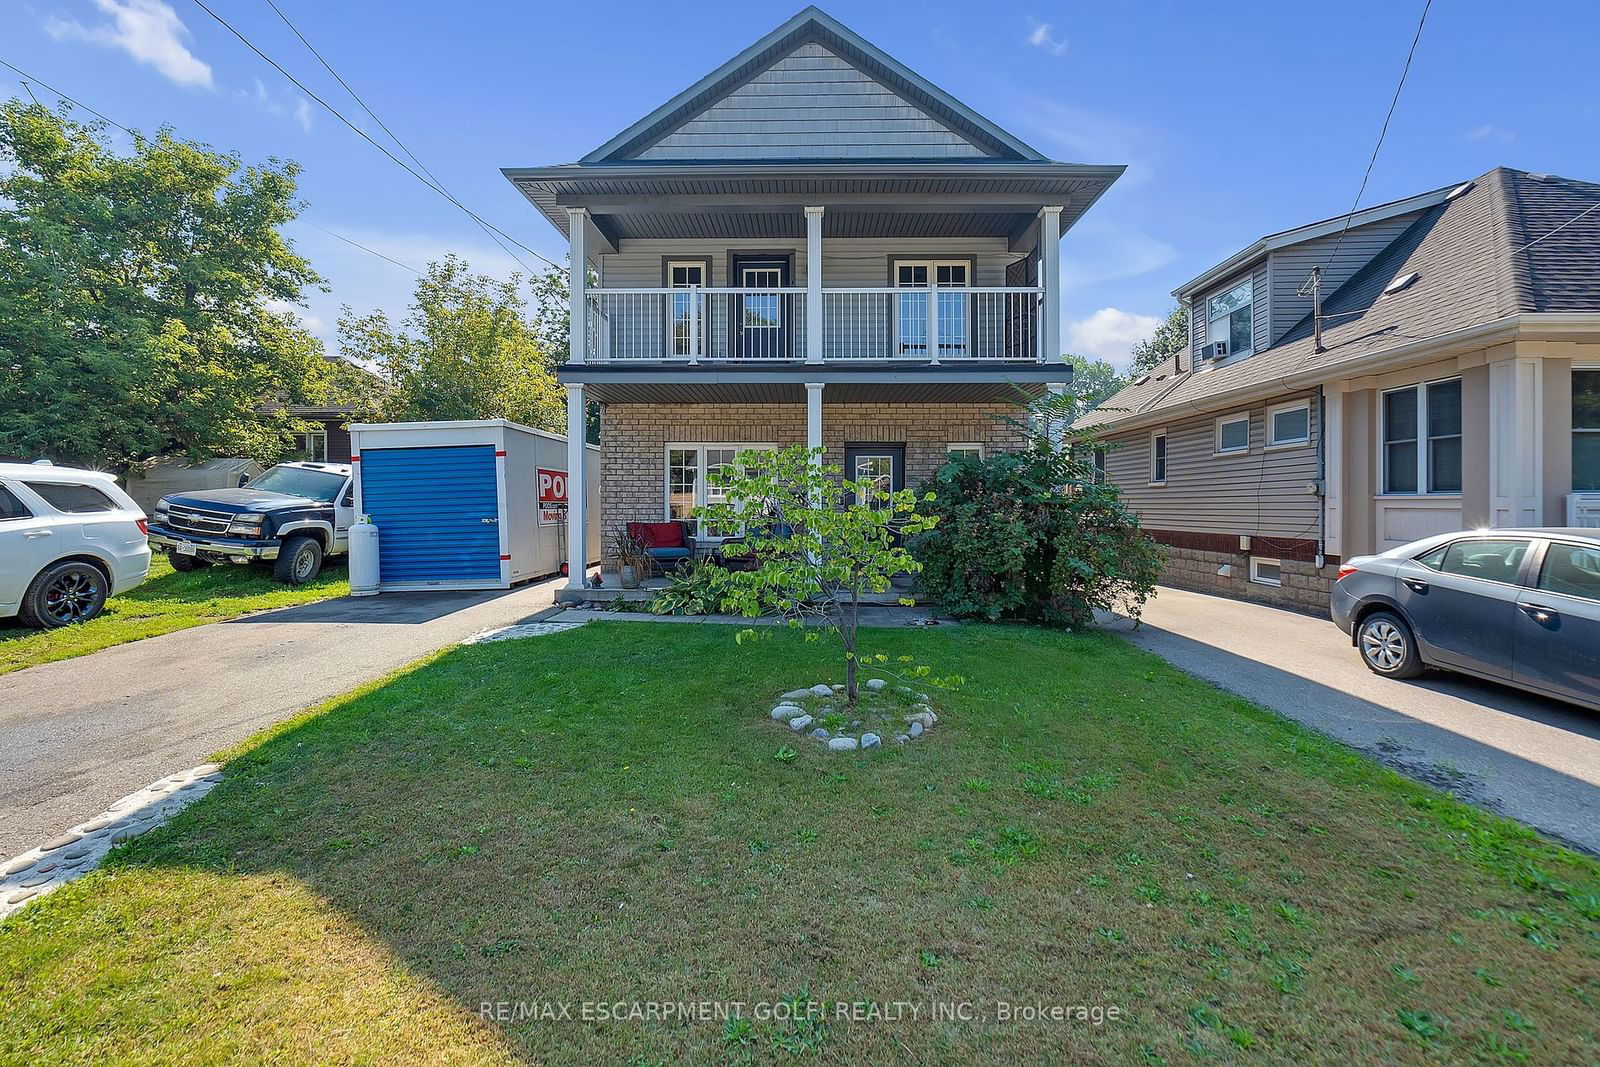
<point>552,497</point>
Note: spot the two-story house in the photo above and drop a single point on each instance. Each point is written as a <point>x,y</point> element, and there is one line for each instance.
<point>1419,367</point>
<point>812,244</point>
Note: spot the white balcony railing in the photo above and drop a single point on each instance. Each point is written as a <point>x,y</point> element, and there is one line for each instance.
<point>695,324</point>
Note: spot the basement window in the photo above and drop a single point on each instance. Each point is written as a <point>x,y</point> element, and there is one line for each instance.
<point>1266,571</point>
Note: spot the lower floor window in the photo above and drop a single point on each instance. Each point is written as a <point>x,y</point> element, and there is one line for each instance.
<point>1586,429</point>
<point>312,446</point>
<point>691,470</point>
<point>1266,571</point>
<point>965,449</point>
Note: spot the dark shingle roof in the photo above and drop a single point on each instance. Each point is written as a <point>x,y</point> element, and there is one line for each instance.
<point>1513,243</point>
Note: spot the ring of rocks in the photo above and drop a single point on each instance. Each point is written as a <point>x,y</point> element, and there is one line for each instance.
<point>902,713</point>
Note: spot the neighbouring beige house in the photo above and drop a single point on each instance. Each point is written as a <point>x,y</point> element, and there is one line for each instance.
<point>1450,381</point>
<point>812,244</point>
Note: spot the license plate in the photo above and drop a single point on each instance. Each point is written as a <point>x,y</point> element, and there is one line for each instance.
<point>185,550</point>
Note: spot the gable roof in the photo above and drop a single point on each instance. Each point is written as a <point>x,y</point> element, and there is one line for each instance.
<point>1513,244</point>
<point>934,123</point>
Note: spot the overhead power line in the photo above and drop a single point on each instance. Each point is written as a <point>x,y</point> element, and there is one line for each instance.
<point>1558,229</point>
<point>1382,133</point>
<point>103,117</point>
<point>359,132</point>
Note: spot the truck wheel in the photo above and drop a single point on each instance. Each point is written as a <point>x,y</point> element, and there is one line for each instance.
<point>299,560</point>
<point>63,594</point>
<point>185,564</point>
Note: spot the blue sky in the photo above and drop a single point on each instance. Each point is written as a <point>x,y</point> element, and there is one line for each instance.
<point>1235,119</point>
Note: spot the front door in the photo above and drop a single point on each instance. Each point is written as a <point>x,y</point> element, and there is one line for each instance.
<point>884,465</point>
<point>761,309</point>
<point>1462,599</point>
<point>1558,624</point>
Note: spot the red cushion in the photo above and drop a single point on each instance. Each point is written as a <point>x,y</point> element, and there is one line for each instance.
<point>657,534</point>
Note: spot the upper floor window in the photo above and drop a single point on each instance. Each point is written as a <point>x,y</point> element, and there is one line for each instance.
<point>683,312</point>
<point>950,308</point>
<point>1422,438</point>
<point>1228,318</point>
<point>1158,458</point>
<point>1586,429</point>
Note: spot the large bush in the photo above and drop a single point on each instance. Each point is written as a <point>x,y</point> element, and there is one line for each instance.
<point>1034,536</point>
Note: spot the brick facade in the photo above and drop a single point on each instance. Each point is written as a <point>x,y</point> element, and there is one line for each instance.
<point>634,438</point>
<point>1304,588</point>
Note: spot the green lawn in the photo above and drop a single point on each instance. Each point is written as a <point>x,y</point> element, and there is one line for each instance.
<point>601,815</point>
<point>168,601</point>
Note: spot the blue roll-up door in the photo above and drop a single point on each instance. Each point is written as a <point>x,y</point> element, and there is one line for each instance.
<point>437,512</point>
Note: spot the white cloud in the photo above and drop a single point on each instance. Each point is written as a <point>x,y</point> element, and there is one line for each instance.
<point>1108,334</point>
<point>1491,132</point>
<point>314,323</point>
<point>1095,251</point>
<point>1043,36</point>
<point>148,30</point>
<point>302,114</point>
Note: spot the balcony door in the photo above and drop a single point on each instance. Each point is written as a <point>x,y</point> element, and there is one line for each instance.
<point>685,319</point>
<point>761,311</point>
<point>951,307</point>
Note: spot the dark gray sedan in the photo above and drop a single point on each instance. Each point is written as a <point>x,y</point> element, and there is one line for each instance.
<point>1515,606</point>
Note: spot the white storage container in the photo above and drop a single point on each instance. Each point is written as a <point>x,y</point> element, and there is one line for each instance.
<point>475,504</point>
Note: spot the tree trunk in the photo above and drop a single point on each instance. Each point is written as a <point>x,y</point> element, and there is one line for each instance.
<point>847,636</point>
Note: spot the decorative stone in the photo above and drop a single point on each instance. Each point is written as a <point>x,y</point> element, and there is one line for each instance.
<point>916,729</point>
<point>841,744</point>
<point>800,722</point>
<point>876,684</point>
<point>60,842</point>
<point>901,739</point>
<point>785,712</point>
<point>822,690</point>
<point>925,719</point>
<point>838,688</point>
<point>20,895</point>
<point>796,694</point>
<point>870,740</point>
<point>35,879</point>
<point>76,852</point>
<point>19,865</point>
<point>820,734</point>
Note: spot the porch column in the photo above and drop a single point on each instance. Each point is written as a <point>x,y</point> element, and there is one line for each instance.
<point>813,285</point>
<point>577,282</point>
<point>1050,282</point>
<point>1333,469</point>
<point>577,490</point>
<point>1516,438</point>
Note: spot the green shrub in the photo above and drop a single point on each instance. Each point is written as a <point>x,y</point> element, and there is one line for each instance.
<point>1034,536</point>
<point>697,588</point>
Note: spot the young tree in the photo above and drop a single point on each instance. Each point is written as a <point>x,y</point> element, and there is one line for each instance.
<point>820,542</point>
<point>465,351</point>
<point>1093,381</point>
<point>1171,336</point>
<point>135,291</point>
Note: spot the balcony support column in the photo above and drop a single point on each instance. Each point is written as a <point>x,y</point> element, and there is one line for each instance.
<point>814,287</point>
<point>1050,282</point>
<point>577,489</point>
<point>577,283</point>
<point>814,422</point>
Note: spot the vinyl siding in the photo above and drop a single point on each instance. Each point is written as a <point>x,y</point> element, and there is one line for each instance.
<point>812,105</point>
<point>1291,267</point>
<point>1259,493</point>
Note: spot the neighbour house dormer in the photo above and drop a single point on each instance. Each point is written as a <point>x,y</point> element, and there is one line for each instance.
<point>1250,301</point>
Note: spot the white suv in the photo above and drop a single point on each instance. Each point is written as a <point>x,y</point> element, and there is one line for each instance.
<point>68,540</point>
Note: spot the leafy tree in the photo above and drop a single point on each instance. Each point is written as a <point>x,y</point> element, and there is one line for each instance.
<point>1170,337</point>
<point>135,291</point>
<point>1035,535</point>
<point>1093,382</point>
<point>820,542</point>
<point>465,351</point>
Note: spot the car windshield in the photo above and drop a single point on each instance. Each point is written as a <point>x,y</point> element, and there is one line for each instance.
<point>301,481</point>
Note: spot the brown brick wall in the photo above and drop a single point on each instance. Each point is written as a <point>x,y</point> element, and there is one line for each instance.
<point>634,437</point>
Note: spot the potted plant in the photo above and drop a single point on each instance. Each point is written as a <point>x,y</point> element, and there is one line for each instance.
<point>632,560</point>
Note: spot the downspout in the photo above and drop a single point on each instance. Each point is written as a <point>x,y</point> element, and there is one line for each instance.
<point>1322,479</point>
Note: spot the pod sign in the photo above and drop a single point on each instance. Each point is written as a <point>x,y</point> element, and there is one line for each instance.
<point>552,497</point>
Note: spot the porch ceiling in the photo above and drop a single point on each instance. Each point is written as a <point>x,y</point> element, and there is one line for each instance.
<point>677,384</point>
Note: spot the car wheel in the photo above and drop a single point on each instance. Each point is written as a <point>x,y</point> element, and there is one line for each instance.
<point>1388,646</point>
<point>185,564</point>
<point>299,560</point>
<point>64,594</point>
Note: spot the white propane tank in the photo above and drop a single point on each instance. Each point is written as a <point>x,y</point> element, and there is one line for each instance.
<point>363,557</point>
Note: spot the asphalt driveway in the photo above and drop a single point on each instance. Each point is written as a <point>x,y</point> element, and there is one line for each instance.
<point>1535,760</point>
<point>78,734</point>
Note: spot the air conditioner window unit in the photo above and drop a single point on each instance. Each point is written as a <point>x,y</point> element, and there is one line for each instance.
<point>1212,350</point>
<point>1583,509</point>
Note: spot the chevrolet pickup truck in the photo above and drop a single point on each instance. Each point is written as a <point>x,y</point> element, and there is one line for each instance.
<point>293,516</point>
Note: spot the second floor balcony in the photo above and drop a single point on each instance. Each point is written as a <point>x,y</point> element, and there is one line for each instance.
<point>693,324</point>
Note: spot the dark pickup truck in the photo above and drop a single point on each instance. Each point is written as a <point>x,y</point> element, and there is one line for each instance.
<point>293,516</point>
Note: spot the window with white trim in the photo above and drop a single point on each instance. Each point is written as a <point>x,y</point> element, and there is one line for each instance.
<point>1229,318</point>
<point>1233,434</point>
<point>1420,438</point>
<point>689,488</point>
<point>684,312</point>
<point>1266,571</point>
<point>1586,429</point>
<point>970,449</point>
<point>1158,458</point>
<point>312,446</point>
<point>911,314</point>
<point>1289,424</point>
